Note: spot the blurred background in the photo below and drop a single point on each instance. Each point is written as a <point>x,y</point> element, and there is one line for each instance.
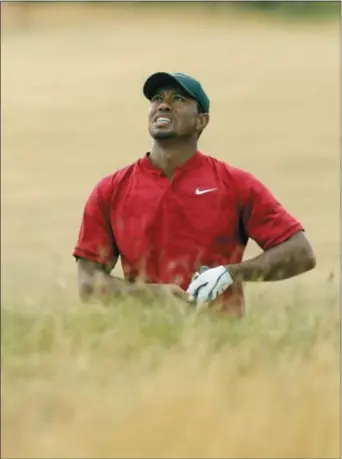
<point>73,111</point>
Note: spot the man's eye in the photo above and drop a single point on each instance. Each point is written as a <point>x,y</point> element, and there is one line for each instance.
<point>178,98</point>
<point>156,98</point>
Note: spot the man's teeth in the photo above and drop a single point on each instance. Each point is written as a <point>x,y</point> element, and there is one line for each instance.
<point>162,121</point>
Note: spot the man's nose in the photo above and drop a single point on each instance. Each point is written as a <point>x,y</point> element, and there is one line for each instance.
<point>164,106</point>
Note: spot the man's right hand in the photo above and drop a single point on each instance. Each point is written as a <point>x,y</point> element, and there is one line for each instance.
<point>168,291</point>
<point>94,281</point>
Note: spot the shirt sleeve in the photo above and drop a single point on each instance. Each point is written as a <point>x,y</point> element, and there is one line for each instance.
<point>264,218</point>
<point>95,238</point>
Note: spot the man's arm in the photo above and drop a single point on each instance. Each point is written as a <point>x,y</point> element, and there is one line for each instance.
<point>286,250</point>
<point>94,281</point>
<point>97,253</point>
<point>290,258</point>
<point>96,250</point>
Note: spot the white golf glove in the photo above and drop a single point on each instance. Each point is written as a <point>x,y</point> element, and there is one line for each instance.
<point>209,283</point>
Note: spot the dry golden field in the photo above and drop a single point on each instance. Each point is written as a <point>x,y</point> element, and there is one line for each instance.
<point>145,382</point>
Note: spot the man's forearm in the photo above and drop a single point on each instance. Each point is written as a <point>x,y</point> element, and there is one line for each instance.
<point>111,287</point>
<point>289,259</point>
<point>107,287</point>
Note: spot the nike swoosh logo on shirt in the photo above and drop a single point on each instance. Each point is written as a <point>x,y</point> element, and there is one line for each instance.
<point>198,191</point>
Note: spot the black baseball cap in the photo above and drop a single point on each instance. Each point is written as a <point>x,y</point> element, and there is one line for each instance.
<point>189,84</point>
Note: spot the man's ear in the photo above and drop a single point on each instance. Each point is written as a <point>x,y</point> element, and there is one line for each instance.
<point>202,121</point>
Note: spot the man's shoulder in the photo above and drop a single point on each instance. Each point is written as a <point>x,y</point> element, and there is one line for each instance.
<point>228,169</point>
<point>118,176</point>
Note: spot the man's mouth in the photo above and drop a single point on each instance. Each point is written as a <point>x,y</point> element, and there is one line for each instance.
<point>162,121</point>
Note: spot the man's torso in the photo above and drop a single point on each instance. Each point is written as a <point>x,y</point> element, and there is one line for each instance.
<point>166,229</point>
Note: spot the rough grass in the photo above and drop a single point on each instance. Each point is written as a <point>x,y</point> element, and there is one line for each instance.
<point>140,380</point>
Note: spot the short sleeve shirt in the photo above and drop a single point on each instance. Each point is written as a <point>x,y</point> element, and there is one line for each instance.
<point>163,230</point>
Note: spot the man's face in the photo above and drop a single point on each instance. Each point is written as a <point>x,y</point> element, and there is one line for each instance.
<point>173,114</point>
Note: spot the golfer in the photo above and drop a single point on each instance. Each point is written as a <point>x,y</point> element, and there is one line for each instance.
<point>180,219</point>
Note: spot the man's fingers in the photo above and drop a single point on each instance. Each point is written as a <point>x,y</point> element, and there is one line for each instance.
<point>181,294</point>
<point>203,294</point>
<point>194,285</point>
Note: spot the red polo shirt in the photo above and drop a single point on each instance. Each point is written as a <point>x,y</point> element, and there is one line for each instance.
<point>165,230</point>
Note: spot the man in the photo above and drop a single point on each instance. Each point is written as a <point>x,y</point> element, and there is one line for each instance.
<point>176,210</point>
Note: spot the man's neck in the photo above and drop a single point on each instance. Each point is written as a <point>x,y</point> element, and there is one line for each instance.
<point>168,154</point>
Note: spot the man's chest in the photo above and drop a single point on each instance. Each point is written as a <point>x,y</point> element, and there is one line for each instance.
<point>178,213</point>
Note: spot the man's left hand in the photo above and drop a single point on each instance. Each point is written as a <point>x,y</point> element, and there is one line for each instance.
<point>206,287</point>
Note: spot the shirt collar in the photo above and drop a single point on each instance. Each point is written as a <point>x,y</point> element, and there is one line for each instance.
<point>190,164</point>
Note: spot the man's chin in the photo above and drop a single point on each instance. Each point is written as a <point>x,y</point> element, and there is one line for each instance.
<point>159,135</point>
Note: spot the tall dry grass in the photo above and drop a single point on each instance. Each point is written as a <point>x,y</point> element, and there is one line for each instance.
<point>147,381</point>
